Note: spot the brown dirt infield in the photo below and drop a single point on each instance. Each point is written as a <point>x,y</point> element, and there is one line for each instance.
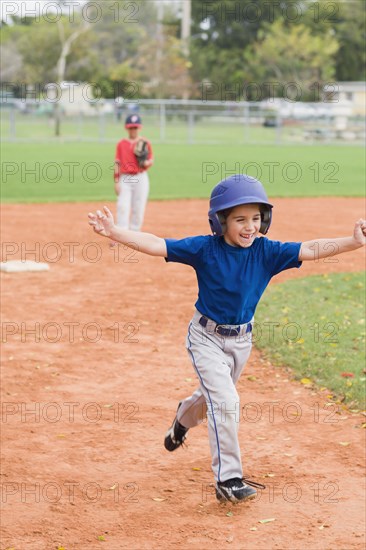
<point>83,422</point>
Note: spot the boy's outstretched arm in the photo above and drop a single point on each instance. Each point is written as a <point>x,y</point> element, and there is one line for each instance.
<point>323,248</point>
<point>103,224</point>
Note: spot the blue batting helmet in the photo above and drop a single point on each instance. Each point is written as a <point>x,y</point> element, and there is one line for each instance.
<point>233,191</point>
<point>133,121</point>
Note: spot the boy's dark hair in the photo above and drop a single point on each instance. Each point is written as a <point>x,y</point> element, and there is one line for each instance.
<point>226,213</point>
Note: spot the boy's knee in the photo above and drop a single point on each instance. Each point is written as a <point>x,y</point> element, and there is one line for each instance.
<point>225,408</point>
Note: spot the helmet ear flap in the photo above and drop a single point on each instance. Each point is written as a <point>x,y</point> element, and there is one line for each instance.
<point>222,219</point>
<point>266,218</point>
<point>216,225</point>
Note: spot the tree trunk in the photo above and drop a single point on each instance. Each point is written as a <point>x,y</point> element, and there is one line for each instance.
<point>57,115</point>
<point>61,64</point>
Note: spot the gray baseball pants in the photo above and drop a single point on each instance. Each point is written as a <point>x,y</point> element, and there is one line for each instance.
<point>132,199</point>
<point>218,362</point>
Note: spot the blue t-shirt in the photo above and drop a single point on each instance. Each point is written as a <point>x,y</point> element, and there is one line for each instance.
<point>231,280</point>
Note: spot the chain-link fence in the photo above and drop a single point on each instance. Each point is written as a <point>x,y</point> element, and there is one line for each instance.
<point>192,122</point>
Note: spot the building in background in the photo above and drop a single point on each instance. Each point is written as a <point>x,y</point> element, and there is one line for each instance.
<point>353,93</point>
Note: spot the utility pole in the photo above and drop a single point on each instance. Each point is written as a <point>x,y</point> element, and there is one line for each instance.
<point>159,42</point>
<point>186,25</point>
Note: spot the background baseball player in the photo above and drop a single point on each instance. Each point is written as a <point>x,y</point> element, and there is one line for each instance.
<point>134,157</point>
<point>233,268</point>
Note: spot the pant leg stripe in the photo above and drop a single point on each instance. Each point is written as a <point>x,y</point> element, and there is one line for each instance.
<point>209,397</point>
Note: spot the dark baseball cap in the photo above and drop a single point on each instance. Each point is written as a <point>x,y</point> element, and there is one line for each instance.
<point>133,121</point>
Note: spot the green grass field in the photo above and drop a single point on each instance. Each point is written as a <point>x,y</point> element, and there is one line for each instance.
<point>318,329</point>
<point>79,171</point>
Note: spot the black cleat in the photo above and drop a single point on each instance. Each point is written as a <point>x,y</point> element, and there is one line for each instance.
<point>176,435</point>
<point>237,490</point>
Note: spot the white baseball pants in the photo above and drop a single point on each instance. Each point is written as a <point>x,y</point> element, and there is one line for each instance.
<point>132,199</point>
<point>218,362</point>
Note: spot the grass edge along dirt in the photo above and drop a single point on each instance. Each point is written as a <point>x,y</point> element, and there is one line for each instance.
<point>316,326</point>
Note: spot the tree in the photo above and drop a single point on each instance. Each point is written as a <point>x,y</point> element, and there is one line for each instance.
<point>141,53</point>
<point>66,44</point>
<point>11,63</point>
<point>170,77</point>
<point>351,35</point>
<point>292,55</point>
<point>116,38</point>
<point>231,24</point>
<point>40,44</point>
<point>222,31</point>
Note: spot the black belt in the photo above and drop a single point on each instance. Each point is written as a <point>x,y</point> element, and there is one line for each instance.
<point>220,329</point>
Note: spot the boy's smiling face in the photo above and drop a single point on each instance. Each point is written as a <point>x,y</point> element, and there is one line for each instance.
<point>242,225</point>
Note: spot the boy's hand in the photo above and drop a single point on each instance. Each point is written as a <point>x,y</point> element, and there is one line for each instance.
<point>102,223</point>
<point>359,232</point>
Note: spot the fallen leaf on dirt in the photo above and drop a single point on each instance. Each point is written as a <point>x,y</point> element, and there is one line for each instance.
<point>230,539</point>
<point>101,538</point>
<point>107,406</point>
<point>268,475</point>
<point>253,529</point>
<point>305,381</point>
<point>113,487</point>
<point>188,379</point>
<point>363,425</point>
<point>251,378</point>
<point>159,499</point>
<point>61,435</point>
<point>344,443</point>
<point>196,469</point>
<point>347,374</point>
<point>229,514</point>
<point>288,454</point>
<point>266,520</point>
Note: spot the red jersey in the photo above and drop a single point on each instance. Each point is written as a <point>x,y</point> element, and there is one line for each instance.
<point>125,156</point>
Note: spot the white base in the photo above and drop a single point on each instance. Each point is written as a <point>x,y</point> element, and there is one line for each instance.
<point>18,266</point>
